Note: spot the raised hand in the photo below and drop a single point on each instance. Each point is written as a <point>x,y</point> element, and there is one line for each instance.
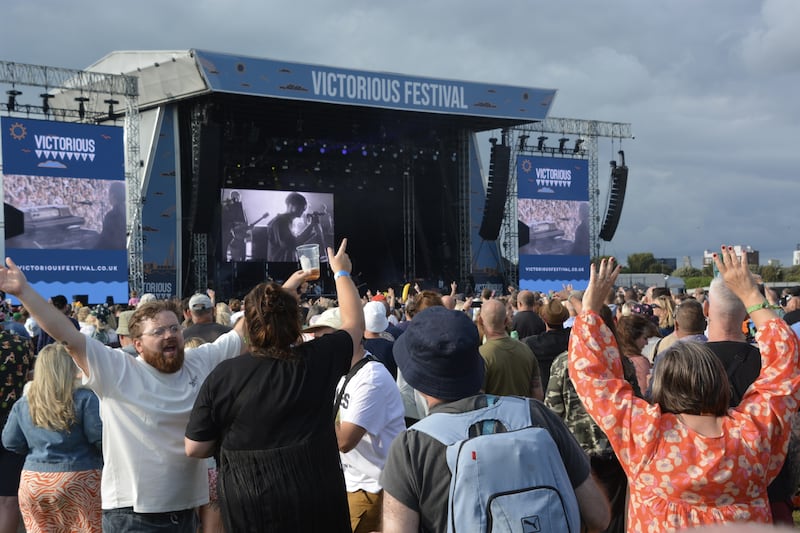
<point>737,276</point>
<point>295,280</point>
<point>601,281</point>
<point>12,280</point>
<point>340,261</point>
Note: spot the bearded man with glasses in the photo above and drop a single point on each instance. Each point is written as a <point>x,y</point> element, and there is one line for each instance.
<point>148,483</point>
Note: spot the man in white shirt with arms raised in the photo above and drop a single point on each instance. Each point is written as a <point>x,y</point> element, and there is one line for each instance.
<point>148,482</point>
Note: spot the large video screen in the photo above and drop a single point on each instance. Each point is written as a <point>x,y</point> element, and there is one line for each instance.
<point>66,181</point>
<point>553,222</point>
<point>260,225</point>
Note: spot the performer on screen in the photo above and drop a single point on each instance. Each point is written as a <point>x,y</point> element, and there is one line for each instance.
<point>281,241</point>
<point>113,234</point>
<point>234,227</point>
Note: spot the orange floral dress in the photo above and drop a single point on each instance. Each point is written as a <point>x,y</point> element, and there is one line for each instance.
<point>677,477</point>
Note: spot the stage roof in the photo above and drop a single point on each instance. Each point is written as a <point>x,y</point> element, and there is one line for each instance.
<point>167,76</point>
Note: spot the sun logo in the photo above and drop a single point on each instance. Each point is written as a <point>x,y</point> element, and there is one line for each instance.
<point>527,165</point>
<point>18,131</point>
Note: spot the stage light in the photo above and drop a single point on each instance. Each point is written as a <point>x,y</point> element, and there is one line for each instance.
<point>300,149</point>
<point>111,102</point>
<point>561,143</point>
<point>323,148</point>
<point>436,155</point>
<point>316,167</point>
<point>453,157</point>
<point>522,141</point>
<point>81,105</point>
<point>46,102</point>
<point>364,151</point>
<point>493,141</point>
<point>578,143</point>
<point>344,150</point>
<point>285,165</point>
<point>12,99</point>
<point>540,144</point>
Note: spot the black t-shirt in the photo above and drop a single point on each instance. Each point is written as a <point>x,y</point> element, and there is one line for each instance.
<point>279,464</point>
<point>527,323</point>
<point>746,372</point>
<point>287,400</point>
<point>417,475</point>
<point>381,349</point>
<point>546,347</point>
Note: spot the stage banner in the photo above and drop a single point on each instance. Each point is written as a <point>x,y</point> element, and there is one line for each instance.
<point>553,222</point>
<point>68,180</point>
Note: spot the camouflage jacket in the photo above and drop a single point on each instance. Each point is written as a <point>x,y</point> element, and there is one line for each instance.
<point>562,399</point>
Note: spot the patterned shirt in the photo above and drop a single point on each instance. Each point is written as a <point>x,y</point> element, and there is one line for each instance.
<point>16,359</point>
<point>677,477</point>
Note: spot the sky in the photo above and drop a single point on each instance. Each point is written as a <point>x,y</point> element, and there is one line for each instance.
<point>710,87</point>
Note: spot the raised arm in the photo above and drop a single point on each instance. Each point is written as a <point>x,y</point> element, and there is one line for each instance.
<point>50,319</point>
<point>350,308</point>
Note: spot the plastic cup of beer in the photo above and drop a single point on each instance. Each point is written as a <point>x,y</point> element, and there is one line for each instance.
<point>308,255</point>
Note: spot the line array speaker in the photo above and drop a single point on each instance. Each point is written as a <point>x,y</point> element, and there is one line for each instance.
<point>619,182</point>
<point>496,190</point>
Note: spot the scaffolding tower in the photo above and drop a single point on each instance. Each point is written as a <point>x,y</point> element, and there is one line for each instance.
<point>97,94</point>
<point>588,131</point>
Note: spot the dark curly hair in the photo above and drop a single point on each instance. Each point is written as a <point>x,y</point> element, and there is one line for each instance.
<point>273,320</point>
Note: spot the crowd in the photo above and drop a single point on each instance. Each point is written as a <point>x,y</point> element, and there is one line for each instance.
<point>285,411</point>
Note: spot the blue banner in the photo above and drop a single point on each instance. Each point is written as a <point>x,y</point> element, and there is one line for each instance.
<point>279,79</point>
<point>64,149</point>
<point>67,179</point>
<point>553,213</point>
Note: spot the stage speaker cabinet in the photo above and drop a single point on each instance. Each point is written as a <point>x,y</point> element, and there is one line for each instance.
<point>619,182</point>
<point>496,190</point>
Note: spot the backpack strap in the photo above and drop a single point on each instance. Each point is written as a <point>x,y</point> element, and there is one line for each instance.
<point>353,371</point>
<point>510,412</point>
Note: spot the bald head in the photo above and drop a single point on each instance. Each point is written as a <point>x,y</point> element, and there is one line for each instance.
<point>525,300</point>
<point>493,316</point>
<point>448,302</point>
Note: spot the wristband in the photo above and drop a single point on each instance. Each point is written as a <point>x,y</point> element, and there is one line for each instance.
<point>340,274</point>
<point>758,307</point>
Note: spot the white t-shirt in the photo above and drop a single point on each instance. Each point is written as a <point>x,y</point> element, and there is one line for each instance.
<point>371,401</point>
<point>144,415</point>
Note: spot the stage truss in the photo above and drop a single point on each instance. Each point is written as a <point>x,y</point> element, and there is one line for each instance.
<point>97,96</point>
<point>588,131</point>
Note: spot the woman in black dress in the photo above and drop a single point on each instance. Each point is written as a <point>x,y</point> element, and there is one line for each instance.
<point>268,414</point>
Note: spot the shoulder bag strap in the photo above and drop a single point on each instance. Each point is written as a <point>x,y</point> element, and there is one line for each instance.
<point>353,371</point>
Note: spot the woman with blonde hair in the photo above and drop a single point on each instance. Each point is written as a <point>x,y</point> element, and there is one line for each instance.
<point>664,309</point>
<point>57,426</point>
<point>689,458</point>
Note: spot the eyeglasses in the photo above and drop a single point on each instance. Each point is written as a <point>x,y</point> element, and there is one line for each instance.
<point>159,332</point>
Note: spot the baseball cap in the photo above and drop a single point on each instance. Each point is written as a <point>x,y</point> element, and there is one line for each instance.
<point>198,302</point>
<point>375,320</point>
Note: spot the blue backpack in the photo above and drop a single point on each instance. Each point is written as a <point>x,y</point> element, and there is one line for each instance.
<point>506,474</point>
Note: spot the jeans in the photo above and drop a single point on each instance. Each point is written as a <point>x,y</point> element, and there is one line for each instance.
<point>124,520</point>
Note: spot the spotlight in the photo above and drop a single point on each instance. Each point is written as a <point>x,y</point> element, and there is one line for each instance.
<point>364,151</point>
<point>111,103</point>
<point>523,141</point>
<point>344,150</point>
<point>323,148</point>
<point>12,99</point>
<point>46,102</point>
<point>540,144</point>
<point>561,143</point>
<point>81,105</point>
<point>578,143</point>
<point>300,149</point>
